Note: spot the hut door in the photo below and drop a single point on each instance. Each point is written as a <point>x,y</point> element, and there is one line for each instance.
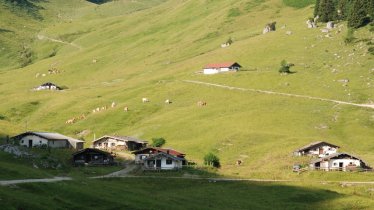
<point>158,163</point>
<point>320,151</point>
<point>340,166</point>
<point>30,143</point>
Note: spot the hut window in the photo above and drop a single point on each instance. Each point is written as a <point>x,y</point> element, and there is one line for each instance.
<point>22,141</point>
<point>99,144</point>
<point>113,144</point>
<point>169,161</point>
<point>40,142</point>
<point>335,164</point>
<point>96,157</point>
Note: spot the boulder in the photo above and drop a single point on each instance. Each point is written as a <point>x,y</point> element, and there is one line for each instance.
<point>330,25</point>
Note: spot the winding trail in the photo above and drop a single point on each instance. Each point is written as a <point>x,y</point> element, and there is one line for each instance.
<point>21,181</point>
<point>371,106</point>
<point>42,37</point>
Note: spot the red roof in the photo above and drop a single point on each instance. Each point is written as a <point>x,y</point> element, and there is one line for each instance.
<point>164,150</point>
<point>221,65</point>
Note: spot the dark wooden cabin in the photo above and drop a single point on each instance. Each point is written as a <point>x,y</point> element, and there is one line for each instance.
<point>91,156</point>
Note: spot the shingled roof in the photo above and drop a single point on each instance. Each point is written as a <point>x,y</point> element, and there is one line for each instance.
<point>336,156</point>
<point>122,138</point>
<point>221,65</point>
<point>315,144</point>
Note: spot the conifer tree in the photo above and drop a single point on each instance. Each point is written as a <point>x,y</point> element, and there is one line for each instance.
<point>358,14</point>
<point>327,10</point>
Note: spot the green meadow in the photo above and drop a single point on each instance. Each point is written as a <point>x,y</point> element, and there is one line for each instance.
<point>123,51</point>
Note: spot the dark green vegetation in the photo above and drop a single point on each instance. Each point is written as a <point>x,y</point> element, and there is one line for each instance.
<point>158,142</point>
<point>211,159</point>
<point>145,193</point>
<point>358,13</point>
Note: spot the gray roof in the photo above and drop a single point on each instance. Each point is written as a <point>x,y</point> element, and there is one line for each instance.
<point>336,155</point>
<point>49,136</point>
<point>151,157</point>
<point>122,138</point>
<point>315,144</point>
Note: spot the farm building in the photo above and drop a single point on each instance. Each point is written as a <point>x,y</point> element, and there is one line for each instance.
<point>143,154</point>
<point>216,68</point>
<point>53,140</point>
<point>319,149</point>
<point>162,161</point>
<point>338,161</point>
<point>90,156</point>
<point>119,143</point>
<point>48,86</point>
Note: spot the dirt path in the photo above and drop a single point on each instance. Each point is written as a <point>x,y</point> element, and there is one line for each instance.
<point>20,181</point>
<point>42,37</point>
<point>121,173</point>
<point>281,94</point>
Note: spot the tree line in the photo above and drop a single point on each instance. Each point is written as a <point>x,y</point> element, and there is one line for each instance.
<point>357,13</point>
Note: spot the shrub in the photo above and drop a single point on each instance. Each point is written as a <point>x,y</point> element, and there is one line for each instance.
<point>371,50</point>
<point>158,142</point>
<point>211,159</point>
<point>349,38</point>
<point>285,67</point>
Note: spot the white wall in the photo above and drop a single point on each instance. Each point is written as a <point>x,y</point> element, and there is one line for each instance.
<point>38,141</point>
<point>327,150</point>
<point>174,164</point>
<point>211,71</point>
<point>109,141</point>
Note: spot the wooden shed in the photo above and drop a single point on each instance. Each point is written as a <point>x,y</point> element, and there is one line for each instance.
<point>91,156</point>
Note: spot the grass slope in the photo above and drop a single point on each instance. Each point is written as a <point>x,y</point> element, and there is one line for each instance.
<point>181,194</point>
<point>147,49</point>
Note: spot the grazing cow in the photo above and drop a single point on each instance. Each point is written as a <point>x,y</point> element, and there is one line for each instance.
<point>94,111</point>
<point>238,162</point>
<point>168,101</point>
<point>113,104</point>
<point>94,60</point>
<point>201,103</point>
<point>145,100</point>
<point>97,109</point>
<point>126,109</point>
<point>70,121</point>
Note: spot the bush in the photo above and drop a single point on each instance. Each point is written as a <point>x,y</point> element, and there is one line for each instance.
<point>371,50</point>
<point>211,159</point>
<point>285,67</point>
<point>350,37</point>
<point>158,142</point>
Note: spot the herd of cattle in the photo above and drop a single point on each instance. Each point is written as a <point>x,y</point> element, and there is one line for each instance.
<point>125,109</point>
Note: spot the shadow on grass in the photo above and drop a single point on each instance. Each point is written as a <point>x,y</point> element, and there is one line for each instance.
<point>151,193</point>
<point>99,1</point>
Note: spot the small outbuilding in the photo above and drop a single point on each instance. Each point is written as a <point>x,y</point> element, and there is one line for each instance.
<point>53,140</point>
<point>215,68</point>
<point>319,149</point>
<point>90,156</point>
<point>48,86</point>
<point>119,143</point>
<point>338,162</point>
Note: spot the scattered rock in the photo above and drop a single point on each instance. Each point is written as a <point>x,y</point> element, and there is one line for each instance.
<point>324,30</point>
<point>330,25</point>
<point>269,27</point>
<point>288,32</point>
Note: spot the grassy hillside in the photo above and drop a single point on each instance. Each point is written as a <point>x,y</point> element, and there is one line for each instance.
<point>148,49</point>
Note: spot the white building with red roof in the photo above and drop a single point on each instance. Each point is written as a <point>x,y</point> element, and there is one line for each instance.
<point>215,68</point>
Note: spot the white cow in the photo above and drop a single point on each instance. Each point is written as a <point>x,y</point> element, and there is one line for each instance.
<point>145,100</point>
<point>167,101</point>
